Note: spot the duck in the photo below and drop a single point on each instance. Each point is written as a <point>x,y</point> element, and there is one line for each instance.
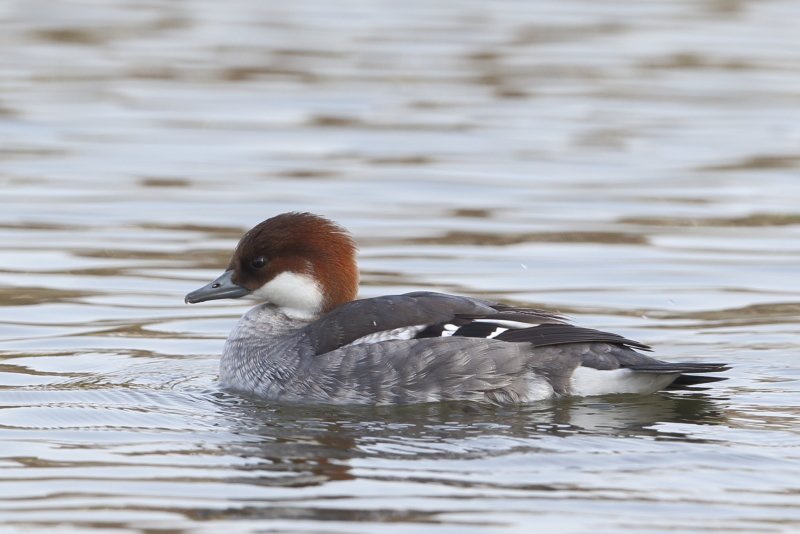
<point>311,340</point>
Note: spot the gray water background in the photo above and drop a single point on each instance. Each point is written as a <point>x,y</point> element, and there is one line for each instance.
<point>633,164</point>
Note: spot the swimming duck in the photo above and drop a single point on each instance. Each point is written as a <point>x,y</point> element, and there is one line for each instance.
<point>312,341</point>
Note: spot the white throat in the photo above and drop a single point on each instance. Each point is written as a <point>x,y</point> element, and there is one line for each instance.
<point>298,295</point>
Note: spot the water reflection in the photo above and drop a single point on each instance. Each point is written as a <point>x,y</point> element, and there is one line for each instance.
<point>319,440</point>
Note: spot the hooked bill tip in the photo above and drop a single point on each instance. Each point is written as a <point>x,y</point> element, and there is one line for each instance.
<point>221,288</point>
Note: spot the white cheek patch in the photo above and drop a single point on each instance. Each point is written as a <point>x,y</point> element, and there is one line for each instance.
<point>405,332</point>
<point>298,294</point>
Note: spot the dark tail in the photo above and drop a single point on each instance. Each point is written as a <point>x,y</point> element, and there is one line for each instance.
<point>685,381</point>
<point>689,372</point>
<point>687,367</point>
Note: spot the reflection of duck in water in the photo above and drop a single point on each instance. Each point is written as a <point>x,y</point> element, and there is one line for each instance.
<point>320,440</point>
<point>312,342</point>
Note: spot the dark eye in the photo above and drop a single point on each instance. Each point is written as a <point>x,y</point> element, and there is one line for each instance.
<point>258,262</point>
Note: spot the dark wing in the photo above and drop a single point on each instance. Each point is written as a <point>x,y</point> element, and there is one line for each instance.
<point>426,315</point>
<point>422,312</point>
<point>558,334</point>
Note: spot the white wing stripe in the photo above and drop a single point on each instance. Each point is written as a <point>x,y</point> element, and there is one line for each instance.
<point>497,333</point>
<point>513,325</point>
<point>404,332</point>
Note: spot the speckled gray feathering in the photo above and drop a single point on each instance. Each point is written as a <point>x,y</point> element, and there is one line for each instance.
<point>279,357</point>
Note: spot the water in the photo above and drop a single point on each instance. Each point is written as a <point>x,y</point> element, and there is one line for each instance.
<point>634,165</point>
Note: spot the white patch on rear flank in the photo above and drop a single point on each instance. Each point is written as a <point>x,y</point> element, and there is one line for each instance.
<point>586,382</point>
<point>298,295</point>
<point>404,332</point>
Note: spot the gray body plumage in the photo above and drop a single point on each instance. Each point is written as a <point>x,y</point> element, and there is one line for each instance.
<point>340,359</point>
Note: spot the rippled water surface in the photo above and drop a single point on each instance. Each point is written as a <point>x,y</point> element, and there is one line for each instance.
<point>633,164</point>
